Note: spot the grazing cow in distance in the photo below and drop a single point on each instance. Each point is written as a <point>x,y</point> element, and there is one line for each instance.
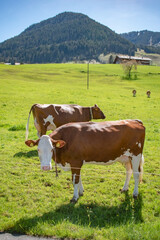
<point>75,144</point>
<point>134,93</point>
<point>50,116</point>
<point>148,93</point>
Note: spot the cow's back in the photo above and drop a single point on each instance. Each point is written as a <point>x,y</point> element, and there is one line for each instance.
<point>102,141</point>
<point>62,113</point>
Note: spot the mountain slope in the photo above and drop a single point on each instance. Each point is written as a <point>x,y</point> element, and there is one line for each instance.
<point>66,37</point>
<point>145,37</point>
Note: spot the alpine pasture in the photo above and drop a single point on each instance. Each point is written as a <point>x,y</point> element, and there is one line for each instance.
<point>37,203</point>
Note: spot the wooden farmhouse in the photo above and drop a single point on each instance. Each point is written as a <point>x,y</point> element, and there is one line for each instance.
<point>140,60</point>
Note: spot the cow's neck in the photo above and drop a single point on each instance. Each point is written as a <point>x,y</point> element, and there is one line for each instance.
<point>87,114</point>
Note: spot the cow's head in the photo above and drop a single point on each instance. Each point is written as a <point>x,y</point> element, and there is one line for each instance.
<point>97,113</point>
<point>46,146</point>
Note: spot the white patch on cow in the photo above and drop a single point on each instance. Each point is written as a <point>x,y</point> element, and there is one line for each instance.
<point>126,121</point>
<point>49,119</point>
<point>76,188</point>
<point>128,153</point>
<point>67,166</point>
<point>67,109</point>
<point>100,163</point>
<point>139,144</point>
<point>45,151</point>
<point>44,105</point>
<point>81,189</point>
<point>128,176</point>
<point>124,158</point>
<point>136,160</point>
<point>135,165</point>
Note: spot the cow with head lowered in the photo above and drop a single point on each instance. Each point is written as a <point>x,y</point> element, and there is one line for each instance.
<point>50,116</point>
<point>75,144</point>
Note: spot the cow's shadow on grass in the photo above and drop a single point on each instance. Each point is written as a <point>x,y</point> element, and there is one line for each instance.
<point>92,215</point>
<point>32,153</point>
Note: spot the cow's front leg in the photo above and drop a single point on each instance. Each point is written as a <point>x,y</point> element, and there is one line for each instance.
<point>75,180</point>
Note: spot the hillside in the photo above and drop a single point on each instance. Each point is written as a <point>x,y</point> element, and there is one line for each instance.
<point>155,57</point>
<point>65,37</point>
<point>147,40</point>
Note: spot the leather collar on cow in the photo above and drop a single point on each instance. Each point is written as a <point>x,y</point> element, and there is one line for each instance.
<point>91,113</point>
<point>55,159</point>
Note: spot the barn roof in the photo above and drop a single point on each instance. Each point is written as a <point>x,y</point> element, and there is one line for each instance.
<point>126,57</point>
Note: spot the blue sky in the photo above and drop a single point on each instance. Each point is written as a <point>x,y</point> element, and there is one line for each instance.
<point>119,15</point>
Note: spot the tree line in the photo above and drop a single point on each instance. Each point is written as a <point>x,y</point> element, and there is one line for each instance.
<point>66,37</point>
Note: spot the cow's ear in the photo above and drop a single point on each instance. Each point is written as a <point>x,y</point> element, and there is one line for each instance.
<point>58,143</point>
<point>96,107</point>
<point>31,143</point>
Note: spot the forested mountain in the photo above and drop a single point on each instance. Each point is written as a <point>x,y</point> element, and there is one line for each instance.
<point>65,37</point>
<point>147,40</point>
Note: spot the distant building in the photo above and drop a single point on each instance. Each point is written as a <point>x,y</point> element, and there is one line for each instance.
<point>140,60</point>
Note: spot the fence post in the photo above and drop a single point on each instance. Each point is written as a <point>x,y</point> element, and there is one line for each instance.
<point>88,75</point>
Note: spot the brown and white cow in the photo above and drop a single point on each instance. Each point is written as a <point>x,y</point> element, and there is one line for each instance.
<point>75,144</point>
<point>134,92</point>
<point>50,116</point>
<point>148,93</point>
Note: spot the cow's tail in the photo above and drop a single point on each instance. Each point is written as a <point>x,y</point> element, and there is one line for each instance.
<point>137,120</point>
<point>141,169</point>
<point>27,126</point>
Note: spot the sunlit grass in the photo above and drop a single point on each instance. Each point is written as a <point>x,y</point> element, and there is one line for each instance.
<point>38,203</point>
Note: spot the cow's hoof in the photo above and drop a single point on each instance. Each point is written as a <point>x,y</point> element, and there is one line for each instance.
<point>73,200</point>
<point>123,190</point>
<point>135,197</point>
<point>81,194</point>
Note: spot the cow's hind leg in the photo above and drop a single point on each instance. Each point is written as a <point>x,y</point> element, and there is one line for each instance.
<point>81,189</point>
<point>141,169</point>
<point>76,184</point>
<point>136,160</point>
<point>128,176</point>
<point>43,131</point>
<point>38,134</point>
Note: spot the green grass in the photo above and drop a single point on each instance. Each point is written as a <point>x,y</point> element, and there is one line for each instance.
<point>37,203</point>
<point>153,56</point>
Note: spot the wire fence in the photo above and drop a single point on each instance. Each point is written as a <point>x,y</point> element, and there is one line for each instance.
<point>68,169</point>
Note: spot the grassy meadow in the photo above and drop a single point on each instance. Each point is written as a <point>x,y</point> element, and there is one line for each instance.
<point>37,203</point>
